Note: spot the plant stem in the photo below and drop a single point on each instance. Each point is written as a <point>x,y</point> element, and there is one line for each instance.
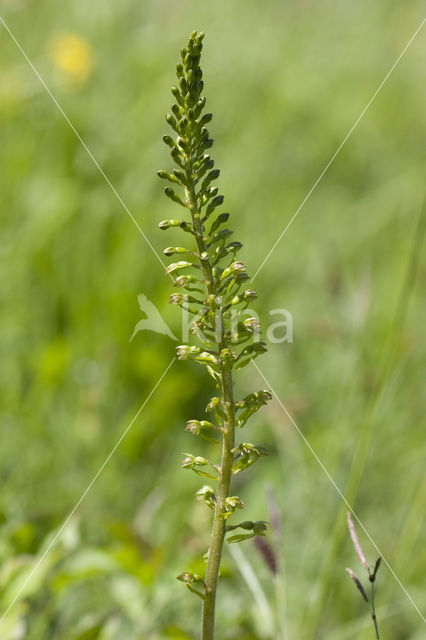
<point>373,612</point>
<point>218,530</point>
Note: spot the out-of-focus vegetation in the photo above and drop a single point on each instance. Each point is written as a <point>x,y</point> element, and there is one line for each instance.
<point>285,81</point>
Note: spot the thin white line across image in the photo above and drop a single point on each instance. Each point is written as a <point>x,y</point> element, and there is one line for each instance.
<point>315,455</point>
<point>333,157</point>
<point>83,495</point>
<point>84,145</point>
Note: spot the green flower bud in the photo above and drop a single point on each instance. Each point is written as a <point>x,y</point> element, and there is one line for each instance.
<point>195,426</point>
<point>177,157</point>
<point>172,122</point>
<point>233,269</point>
<point>184,351</point>
<point>183,86</point>
<point>211,191</point>
<point>194,582</point>
<point>212,175</point>
<point>169,141</point>
<point>250,294</point>
<point>170,193</point>
<point>206,494</point>
<point>189,461</point>
<point>166,224</point>
<point>199,107</point>
<point>167,176</point>
<point>246,454</point>
<point>181,143</point>
<point>180,177</point>
<point>207,117</point>
<point>233,247</point>
<point>223,217</point>
<point>231,503</point>
<point>177,299</point>
<point>237,267</point>
<point>193,462</point>
<point>205,166</point>
<point>221,235</point>
<point>184,281</point>
<point>178,96</point>
<point>177,111</point>
<point>251,324</point>
<point>234,502</point>
<point>214,404</point>
<point>182,264</point>
<point>250,404</point>
<point>188,577</point>
<point>172,250</point>
<point>186,226</point>
<point>216,202</point>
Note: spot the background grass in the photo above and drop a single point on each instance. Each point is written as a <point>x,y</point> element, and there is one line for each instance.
<point>285,82</point>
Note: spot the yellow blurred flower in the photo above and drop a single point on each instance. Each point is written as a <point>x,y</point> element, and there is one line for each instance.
<point>73,56</point>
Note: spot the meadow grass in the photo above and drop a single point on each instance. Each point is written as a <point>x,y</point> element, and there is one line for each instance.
<point>350,269</point>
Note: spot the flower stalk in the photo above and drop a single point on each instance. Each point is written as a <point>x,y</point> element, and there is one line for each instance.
<point>214,281</point>
<point>371,571</point>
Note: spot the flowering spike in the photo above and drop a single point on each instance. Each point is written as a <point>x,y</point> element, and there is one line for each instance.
<point>355,542</point>
<point>371,575</point>
<point>219,324</point>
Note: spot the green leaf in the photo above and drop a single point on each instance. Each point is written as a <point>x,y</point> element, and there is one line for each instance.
<point>239,537</point>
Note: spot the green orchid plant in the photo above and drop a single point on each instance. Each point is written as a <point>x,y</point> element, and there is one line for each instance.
<point>227,338</point>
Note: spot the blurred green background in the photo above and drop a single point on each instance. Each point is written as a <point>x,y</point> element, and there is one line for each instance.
<point>285,81</point>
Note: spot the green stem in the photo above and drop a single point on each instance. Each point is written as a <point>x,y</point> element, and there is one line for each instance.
<point>373,612</point>
<point>218,530</point>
